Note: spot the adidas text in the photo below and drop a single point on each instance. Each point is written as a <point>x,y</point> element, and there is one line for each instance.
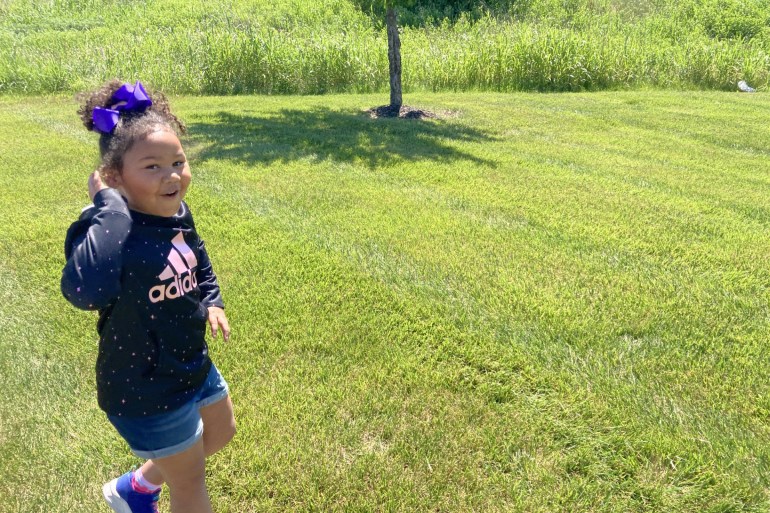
<point>177,288</point>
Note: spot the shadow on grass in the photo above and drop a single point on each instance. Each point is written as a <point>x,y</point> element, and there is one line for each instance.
<point>324,134</point>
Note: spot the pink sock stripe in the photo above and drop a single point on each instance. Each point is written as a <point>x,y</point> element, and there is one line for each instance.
<point>140,485</point>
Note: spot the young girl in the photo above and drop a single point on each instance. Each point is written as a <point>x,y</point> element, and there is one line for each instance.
<point>136,258</point>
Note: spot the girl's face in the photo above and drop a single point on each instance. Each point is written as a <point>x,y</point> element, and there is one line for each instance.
<point>155,174</point>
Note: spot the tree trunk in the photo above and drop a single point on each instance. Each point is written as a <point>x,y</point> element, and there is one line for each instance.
<point>394,58</point>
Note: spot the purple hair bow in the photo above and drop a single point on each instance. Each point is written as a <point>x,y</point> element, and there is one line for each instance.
<point>129,98</point>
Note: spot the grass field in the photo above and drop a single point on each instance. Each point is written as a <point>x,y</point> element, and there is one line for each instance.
<point>541,303</point>
<point>332,46</point>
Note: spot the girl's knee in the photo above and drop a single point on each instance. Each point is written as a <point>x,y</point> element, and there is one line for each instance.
<point>219,438</point>
<point>186,470</point>
<point>232,429</point>
<point>218,425</point>
<point>229,433</point>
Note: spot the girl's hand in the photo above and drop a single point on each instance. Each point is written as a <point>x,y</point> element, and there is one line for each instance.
<point>95,184</point>
<point>217,319</point>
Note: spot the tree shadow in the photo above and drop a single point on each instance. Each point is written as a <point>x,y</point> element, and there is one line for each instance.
<point>342,136</point>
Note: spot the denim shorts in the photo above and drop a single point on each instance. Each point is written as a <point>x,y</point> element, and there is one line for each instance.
<point>158,436</point>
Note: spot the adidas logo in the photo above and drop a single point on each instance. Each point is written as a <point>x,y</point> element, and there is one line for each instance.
<point>182,263</point>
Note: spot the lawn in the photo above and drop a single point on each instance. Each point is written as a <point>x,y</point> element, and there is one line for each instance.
<point>538,303</point>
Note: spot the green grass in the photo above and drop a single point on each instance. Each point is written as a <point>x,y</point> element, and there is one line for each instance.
<point>541,303</point>
<point>326,46</point>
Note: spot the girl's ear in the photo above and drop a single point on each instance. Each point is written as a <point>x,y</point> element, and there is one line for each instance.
<point>111,177</point>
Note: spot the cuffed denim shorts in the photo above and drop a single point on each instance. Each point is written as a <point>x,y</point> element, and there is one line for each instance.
<point>158,436</point>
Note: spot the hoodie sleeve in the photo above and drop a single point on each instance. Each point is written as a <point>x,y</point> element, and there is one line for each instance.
<point>94,251</point>
<point>207,280</point>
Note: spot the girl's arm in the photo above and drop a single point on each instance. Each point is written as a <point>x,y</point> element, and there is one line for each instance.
<point>94,252</point>
<point>207,280</point>
<point>211,296</point>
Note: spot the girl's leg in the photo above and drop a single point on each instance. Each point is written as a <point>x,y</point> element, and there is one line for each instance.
<point>218,430</point>
<point>218,425</point>
<point>185,474</point>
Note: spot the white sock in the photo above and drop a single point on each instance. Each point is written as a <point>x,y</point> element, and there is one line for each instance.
<point>143,484</point>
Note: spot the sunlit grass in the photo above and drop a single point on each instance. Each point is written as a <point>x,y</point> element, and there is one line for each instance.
<point>293,47</point>
<point>540,303</point>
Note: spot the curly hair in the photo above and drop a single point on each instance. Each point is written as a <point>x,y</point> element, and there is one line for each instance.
<point>131,127</point>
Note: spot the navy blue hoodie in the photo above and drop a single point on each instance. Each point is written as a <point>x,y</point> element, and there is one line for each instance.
<point>152,281</point>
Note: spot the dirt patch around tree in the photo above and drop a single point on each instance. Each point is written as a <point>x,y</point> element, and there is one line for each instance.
<point>405,112</point>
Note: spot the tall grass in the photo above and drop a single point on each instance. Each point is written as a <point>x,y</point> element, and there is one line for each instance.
<point>495,56</point>
<point>293,47</point>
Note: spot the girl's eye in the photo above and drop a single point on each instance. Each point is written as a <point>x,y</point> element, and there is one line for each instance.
<point>179,163</point>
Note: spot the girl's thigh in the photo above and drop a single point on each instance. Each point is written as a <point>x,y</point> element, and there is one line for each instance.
<point>185,470</point>
<point>218,424</point>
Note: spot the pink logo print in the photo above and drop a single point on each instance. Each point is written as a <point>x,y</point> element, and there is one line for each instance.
<point>182,264</point>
